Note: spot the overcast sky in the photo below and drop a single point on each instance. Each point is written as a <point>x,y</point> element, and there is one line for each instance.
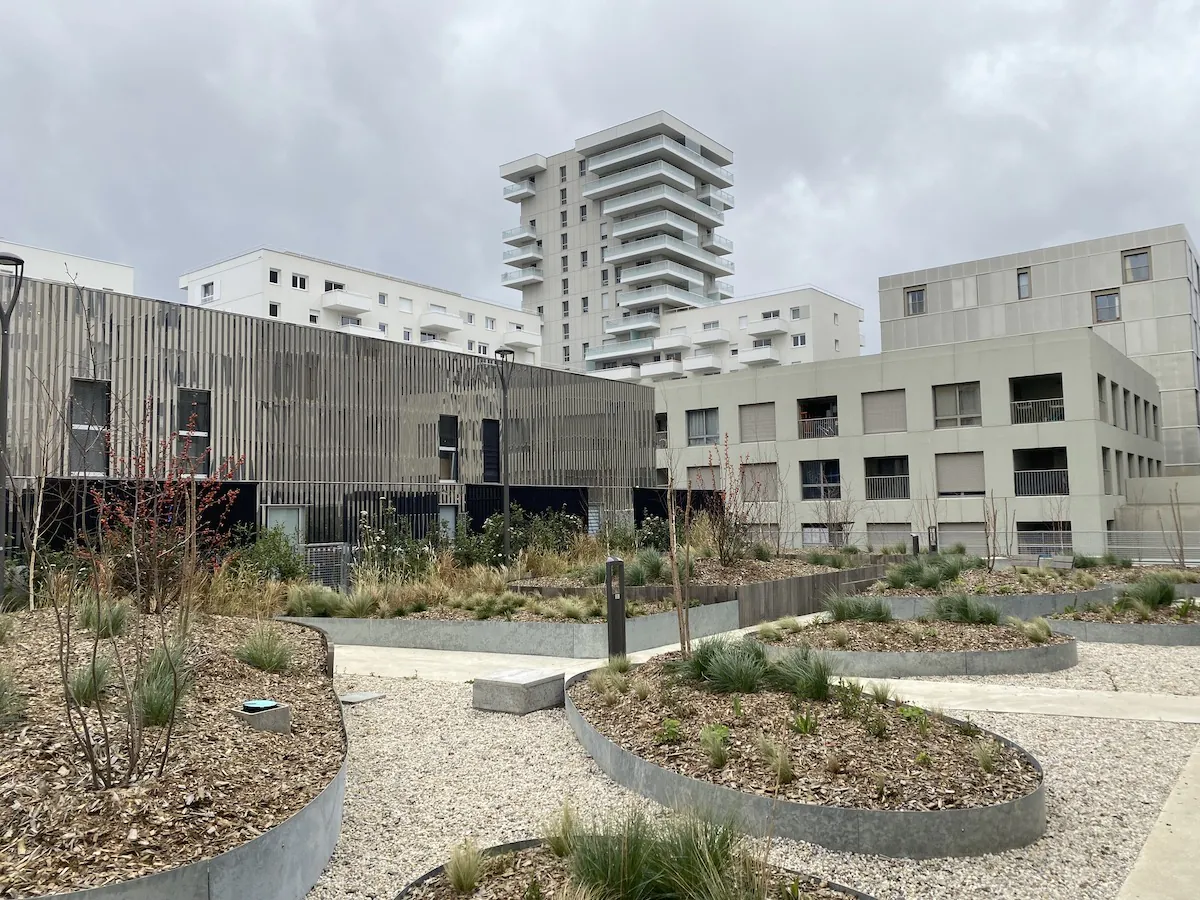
<point>871,137</point>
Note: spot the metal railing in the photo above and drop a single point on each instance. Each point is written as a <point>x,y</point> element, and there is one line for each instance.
<point>622,201</point>
<point>661,141</point>
<point>1026,412</point>
<point>818,428</point>
<point>626,323</point>
<point>1044,543</point>
<point>717,241</point>
<point>616,349</point>
<point>651,168</point>
<point>665,291</point>
<point>519,274</point>
<point>1040,482</point>
<point>518,187</point>
<point>887,487</point>
<point>656,243</point>
<point>329,564</point>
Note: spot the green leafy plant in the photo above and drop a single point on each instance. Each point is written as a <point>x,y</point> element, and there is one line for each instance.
<point>359,605</point>
<point>1036,631</point>
<point>804,723</point>
<point>105,618</point>
<point>737,707</point>
<point>1085,562</point>
<point>618,663</point>
<point>770,632</point>
<point>965,609</point>
<point>166,677</point>
<point>12,699</point>
<point>559,831</point>
<point>668,733</point>
<point>534,890</point>
<point>265,648</point>
<point>653,565</point>
<point>1153,591</point>
<point>762,552</point>
<point>273,556</point>
<point>313,600</point>
<point>924,760</point>
<point>464,867</point>
<point>714,741</point>
<point>987,755</point>
<point>843,608</point>
<point>877,725</point>
<point>635,576</point>
<point>777,758</point>
<point>735,666</point>
<point>90,681</point>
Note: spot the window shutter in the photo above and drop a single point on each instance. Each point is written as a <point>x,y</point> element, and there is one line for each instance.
<point>959,473</point>
<point>884,411</point>
<point>704,478</point>
<point>760,482</point>
<point>757,422</point>
<point>881,534</point>
<point>490,435</point>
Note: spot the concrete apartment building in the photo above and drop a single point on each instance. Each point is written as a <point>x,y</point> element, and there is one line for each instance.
<point>53,265</point>
<point>304,290</point>
<point>1050,425</point>
<point>1139,291</point>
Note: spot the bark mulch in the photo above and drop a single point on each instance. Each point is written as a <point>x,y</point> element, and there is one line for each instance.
<point>910,636</point>
<point>224,783</point>
<point>1178,614</point>
<point>842,764</point>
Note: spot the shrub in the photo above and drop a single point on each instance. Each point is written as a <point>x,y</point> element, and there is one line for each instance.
<point>770,632</point>
<point>655,534</point>
<point>738,667</point>
<point>695,667</point>
<point>266,649</point>
<point>618,663</point>
<point>974,562</point>
<point>959,549</point>
<point>895,577</point>
<point>840,637</point>
<point>791,624</point>
<point>876,725</point>
<point>652,564</point>
<point>635,576</point>
<point>842,608</point>
<point>1085,562</point>
<point>929,577</point>
<point>802,672</point>
<point>89,682</point>
<point>559,831</point>
<point>965,609</point>
<point>359,605</point>
<point>668,733</point>
<point>777,759</point>
<point>12,701</point>
<point>464,867</point>
<point>312,599</point>
<point>987,755</point>
<point>273,556</point>
<point>1109,559</point>
<point>714,741</point>
<point>1036,631</point>
<point>165,679</point>
<point>619,857</point>
<point>594,574</point>
<point>1154,591</point>
<point>762,552</point>
<point>106,619</point>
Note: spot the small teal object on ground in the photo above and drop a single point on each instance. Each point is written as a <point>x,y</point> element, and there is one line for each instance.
<point>255,706</point>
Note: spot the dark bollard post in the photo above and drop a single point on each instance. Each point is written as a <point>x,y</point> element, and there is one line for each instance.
<point>916,538</point>
<point>614,589</point>
<point>932,542</point>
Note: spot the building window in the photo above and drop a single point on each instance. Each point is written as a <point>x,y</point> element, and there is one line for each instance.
<point>489,434</point>
<point>312,317</point>
<point>799,340</point>
<point>566,331</point>
<point>1135,265</point>
<point>585,346</point>
<point>351,320</point>
<point>583,304</point>
<point>470,317</point>
<point>541,312</point>
<point>404,304</point>
<point>562,219</point>
<point>603,253</point>
<point>771,314</point>
<point>565,264</point>
<point>562,241</point>
<point>603,277</point>
<point>562,174</point>
<point>89,427</point>
<point>483,349</point>
<point>821,479</point>
<point>795,312</point>
<point>207,291</point>
<point>959,474</point>
<point>756,422</point>
<point>273,276</point>
<point>383,327</point>
<point>703,427</point>
<point>1106,306</point>
<point>273,310</point>
<point>408,334</point>
<point>762,342</point>
<point>562,196</point>
<point>956,405</point>
<point>617,274</point>
<point>193,423</point>
<point>382,299</point>
<point>743,322</point>
<point>566,286</point>
<point>583,259</point>
<point>489,323</point>
<point>583,214</point>
<point>914,301</point>
<point>300,282</point>
<point>837,345</point>
<point>710,326</point>
<point>448,448</point>
<point>533,224</point>
<point>1024,286</point>
<point>603,231</point>
<point>566,307</point>
<point>582,167</point>
<point>835,318</point>
<point>566,352</point>
<point>470,346</point>
<point>604,301</point>
<point>334,286</point>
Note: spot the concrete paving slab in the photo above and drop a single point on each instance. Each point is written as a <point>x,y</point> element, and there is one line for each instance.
<point>356,697</point>
<point>444,665</point>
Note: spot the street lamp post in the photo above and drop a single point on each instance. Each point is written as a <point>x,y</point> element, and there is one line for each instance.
<point>504,366</point>
<point>7,307</point>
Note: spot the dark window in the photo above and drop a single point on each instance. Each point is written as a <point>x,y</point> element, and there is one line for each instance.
<point>89,427</point>
<point>193,422</point>
<point>490,433</point>
<point>274,276</point>
<point>448,448</point>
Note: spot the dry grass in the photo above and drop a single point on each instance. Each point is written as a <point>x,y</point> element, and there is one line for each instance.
<point>232,592</point>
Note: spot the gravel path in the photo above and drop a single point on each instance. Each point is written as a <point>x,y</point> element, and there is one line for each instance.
<point>1133,667</point>
<point>426,771</point>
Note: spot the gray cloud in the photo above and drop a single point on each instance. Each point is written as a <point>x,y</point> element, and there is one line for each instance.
<point>871,137</point>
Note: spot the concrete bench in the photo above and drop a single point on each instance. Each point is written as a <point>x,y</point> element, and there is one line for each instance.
<point>1057,562</point>
<point>518,691</point>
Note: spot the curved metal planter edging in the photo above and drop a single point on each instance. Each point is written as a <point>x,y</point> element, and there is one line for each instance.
<point>517,846</point>
<point>282,863</point>
<point>934,663</point>
<point>1150,633</point>
<point>909,834</point>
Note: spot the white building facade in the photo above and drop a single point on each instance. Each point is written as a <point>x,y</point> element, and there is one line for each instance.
<point>305,290</point>
<point>61,268</point>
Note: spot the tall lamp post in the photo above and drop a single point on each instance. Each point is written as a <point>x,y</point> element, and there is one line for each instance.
<point>7,306</point>
<point>504,367</point>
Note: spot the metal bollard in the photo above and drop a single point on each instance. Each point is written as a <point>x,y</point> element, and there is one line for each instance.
<point>614,590</point>
<point>916,539</point>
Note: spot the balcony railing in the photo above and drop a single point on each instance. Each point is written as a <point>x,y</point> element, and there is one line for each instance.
<point>1041,482</point>
<point>614,349</point>
<point>1044,543</point>
<point>643,321</point>
<point>1027,412</point>
<point>650,144</point>
<point>661,243</point>
<point>662,195</point>
<point>657,170</point>
<point>521,275</point>
<point>717,241</point>
<point>519,234</point>
<point>819,428</point>
<point>521,187</point>
<point>664,293</point>
<point>887,487</point>
<point>717,194</point>
<point>655,221</point>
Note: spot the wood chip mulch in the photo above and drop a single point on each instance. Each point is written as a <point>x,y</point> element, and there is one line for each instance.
<point>1162,615</point>
<point>224,784</point>
<point>544,611</point>
<point>911,636</point>
<point>840,765</point>
<point>509,876</point>
<point>1009,581</point>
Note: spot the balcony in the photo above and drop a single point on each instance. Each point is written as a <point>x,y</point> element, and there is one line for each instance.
<point>522,234</point>
<point>673,342</point>
<point>439,322</point>
<point>723,290</point>
<point>618,373</point>
<point>660,147</point>
<point>709,336</point>
<point>662,222</point>
<point>763,328</point>
<point>714,243</point>
<point>1041,483</point>
<point>522,190</point>
<point>664,270</point>
<point>662,295</point>
<point>702,364</point>
<point>663,197</point>
<point>661,371</point>
<point>1028,412</point>
<point>524,168</point>
<point>442,345</point>
<point>360,330</point>
<point>522,339</point>
<point>708,192</point>
<point>887,487</point>
<point>521,277</point>
<point>759,356</point>
<point>625,324</point>
<point>519,256</point>
<point>638,177</point>
<point>618,349</point>
<point>818,428</point>
<point>665,245</point>
<point>346,303</point>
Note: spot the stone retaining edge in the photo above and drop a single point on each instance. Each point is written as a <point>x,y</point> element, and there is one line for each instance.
<point>936,663</point>
<point>1149,633</point>
<point>894,833</point>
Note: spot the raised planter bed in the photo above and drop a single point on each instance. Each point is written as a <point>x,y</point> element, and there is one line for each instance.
<point>1128,633</point>
<point>908,833</point>
<point>935,663</point>
<point>1022,606</point>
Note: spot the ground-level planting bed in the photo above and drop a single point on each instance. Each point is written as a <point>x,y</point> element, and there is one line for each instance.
<point>854,770</point>
<point>707,570</point>
<point>1147,612</point>
<point>224,783</point>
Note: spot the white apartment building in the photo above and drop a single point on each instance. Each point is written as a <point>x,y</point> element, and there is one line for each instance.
<point>1050,427</point>
<point>626,222</point>
<point>1139,291</point>
<point>51,265</point>
<point>305,290</point>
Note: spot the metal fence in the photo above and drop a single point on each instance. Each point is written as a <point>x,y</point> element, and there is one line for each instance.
<point>329,564</point>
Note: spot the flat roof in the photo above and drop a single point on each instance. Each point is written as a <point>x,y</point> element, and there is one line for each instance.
<point>660,122</point>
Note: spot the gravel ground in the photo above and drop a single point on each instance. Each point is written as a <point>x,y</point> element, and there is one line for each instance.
<point>426,771</point>
<point>1130,667</point>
